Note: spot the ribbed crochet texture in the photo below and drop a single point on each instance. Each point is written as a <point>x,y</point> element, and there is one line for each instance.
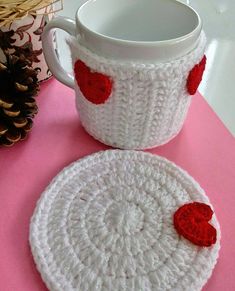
<point>106,223</point>
<point>148,103</point>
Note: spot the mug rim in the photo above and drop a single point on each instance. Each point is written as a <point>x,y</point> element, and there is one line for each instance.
<point>156,43</point>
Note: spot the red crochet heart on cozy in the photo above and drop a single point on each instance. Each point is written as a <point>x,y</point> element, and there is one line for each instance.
<point>95,87</point>
<point>191,221</point>
<point>195,76</point>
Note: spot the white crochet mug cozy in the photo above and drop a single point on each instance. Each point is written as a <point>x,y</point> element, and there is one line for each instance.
<point>136,66</point>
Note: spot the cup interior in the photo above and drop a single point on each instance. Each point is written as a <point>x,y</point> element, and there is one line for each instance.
<point>138,20</point>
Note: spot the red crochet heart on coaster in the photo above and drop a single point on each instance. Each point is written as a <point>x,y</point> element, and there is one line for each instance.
<point>191,221</point>
<point>94,86</point>
<point>195,76</point>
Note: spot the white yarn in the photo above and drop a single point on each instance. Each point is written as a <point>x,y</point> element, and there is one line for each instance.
<point>148,103</point>
<point>106,223</point>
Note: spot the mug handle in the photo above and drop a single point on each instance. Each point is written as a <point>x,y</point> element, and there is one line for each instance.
<point>53,63</point>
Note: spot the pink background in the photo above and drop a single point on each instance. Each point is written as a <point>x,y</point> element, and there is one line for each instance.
<point>204,148</point>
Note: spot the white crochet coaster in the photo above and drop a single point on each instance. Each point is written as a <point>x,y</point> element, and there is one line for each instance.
<point>106,223</point>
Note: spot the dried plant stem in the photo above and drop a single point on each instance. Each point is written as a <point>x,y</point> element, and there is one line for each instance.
<point>11,10</point>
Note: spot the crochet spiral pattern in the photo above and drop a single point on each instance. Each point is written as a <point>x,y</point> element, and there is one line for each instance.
<point>148,103</point>
<point>106,223</point>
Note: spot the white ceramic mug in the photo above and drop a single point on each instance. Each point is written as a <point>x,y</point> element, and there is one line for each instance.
<point>136,65</point>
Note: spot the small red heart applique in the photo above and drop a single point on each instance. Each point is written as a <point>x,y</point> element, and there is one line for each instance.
<point>95,87</point>
<point>195,76</point>
<point>191,221</point>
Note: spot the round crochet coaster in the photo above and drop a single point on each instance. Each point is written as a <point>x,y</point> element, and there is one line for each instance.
<point>106,223</point>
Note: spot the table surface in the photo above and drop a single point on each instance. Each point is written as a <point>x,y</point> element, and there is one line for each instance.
<point>204,148</point>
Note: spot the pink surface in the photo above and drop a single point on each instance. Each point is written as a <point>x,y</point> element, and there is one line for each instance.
<point>204,148</point>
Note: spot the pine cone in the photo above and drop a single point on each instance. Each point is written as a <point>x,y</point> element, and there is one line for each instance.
<point>18,86</point>
<point>6,40</point>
